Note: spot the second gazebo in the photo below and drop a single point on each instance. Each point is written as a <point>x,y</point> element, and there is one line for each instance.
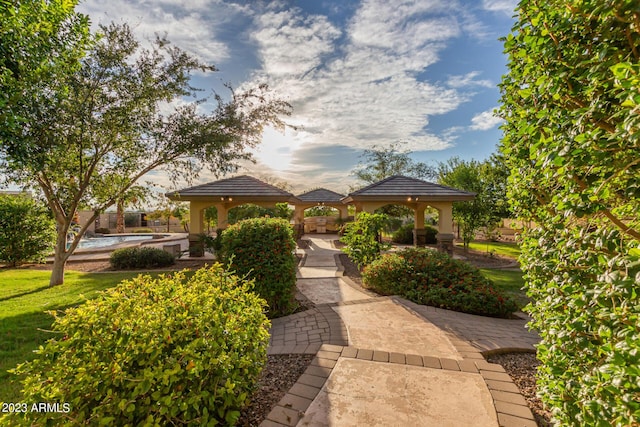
<point>417,195</point>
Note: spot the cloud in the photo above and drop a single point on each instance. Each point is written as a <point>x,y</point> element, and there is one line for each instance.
<point>505,6</point>
<point>485,121</point>
<point>467,80</point>
<point>364,90</point>
<point>192,25</point>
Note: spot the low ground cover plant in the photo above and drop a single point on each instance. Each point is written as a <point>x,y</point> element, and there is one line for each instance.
<point>263,250</point>
<point>433,278</point>
<point>126,258</point>
<point>166,351</point>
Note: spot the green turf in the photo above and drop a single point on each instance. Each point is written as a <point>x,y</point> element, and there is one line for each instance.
<point>24,299</point>
<point>509,281</point>
<point>506,249</point>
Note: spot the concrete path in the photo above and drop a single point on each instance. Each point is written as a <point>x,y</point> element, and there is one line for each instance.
<point>385,361</point>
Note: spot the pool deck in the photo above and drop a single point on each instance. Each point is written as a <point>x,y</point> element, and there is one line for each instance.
<point>102,254</point>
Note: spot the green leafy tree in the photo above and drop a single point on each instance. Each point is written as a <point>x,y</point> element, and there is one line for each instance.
<point>103,127</point>
<point>486,179</point>
<point>383,162</point>
<point>41,42</point>
<point>570,103</point>
<point>362,238</point>
<point>320,211</point>
<point>27,231</point>
<point>169,209</point>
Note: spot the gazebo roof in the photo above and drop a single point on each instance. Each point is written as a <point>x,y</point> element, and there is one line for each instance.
<point>238,186</point>
<point>321,195</point>
<point>399,187</point>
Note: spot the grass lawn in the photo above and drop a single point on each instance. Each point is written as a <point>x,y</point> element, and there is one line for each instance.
<point>24,298</point>
<point>506,249</point>
<point>508,281</point>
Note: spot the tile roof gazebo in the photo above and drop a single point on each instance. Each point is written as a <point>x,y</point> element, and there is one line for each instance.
<point>417,195</point>
<point>318,197</point>
<point>224,195</point>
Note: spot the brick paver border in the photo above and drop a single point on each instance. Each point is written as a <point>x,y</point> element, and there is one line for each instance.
<point>511,407</point>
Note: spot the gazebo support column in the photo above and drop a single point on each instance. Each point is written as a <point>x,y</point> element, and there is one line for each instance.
<point>419,232</point>
<point>445,234</point>
<point>298,221</point>
<point>196,220</point>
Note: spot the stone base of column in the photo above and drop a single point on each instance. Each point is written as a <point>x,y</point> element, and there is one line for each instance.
<point>419,237</point>
<point>196,247</point>
<point>445,242</point>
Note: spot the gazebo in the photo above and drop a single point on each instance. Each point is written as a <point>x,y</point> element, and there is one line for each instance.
<point>417,195</point>
<point>318,197</point>
<point>226,194</point>
<point>399,190</point>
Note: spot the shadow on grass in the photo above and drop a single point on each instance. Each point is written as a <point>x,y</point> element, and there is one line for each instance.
<point>20,336</point>
<point>33,291</point>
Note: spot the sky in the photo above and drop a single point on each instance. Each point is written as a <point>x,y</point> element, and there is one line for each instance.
<point>358,73</point>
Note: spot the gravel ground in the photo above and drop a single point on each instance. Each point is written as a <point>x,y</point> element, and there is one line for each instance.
<point>279,375</point>
<point>522,367</point>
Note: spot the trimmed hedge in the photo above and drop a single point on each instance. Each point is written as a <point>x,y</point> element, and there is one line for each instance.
<point>404,235</point>
<point>433,278</point>
<point>263,249</point>
<point>127,258</point>
<point>166,351</point>
<point>27,231</point>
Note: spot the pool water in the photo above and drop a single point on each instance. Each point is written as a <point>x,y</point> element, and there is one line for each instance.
<point>101,242</point>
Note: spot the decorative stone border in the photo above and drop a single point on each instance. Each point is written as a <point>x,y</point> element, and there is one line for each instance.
<point>511,407</point>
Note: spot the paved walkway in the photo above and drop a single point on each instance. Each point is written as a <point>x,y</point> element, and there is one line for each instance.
<point>385,361</point>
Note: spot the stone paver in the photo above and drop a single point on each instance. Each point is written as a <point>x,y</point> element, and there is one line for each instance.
<point>386,361</point>
<point>387,326</point>
<point>329,290</point>
<point>486,334</point>
<point>358,393</point>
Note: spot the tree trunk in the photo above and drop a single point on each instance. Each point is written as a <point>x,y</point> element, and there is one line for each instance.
<point>60,258</point>
<point>120,216</point>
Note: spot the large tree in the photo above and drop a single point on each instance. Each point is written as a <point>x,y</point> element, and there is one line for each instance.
<point>40,42</point>
<point>488,180</point>
<point>125,112</point>
<point>571,106</point>
<point>379,163</point>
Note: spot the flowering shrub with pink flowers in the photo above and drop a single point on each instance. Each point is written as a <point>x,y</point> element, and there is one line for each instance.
<point>433,278</point>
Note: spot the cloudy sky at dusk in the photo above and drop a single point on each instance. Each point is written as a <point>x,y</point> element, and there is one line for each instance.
<point>358,73</point>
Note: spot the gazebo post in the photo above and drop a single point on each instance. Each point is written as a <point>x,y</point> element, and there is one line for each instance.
<point>298,221</point>
<point>196,220</point>
<point>419,232</point>
<point>445,234</point>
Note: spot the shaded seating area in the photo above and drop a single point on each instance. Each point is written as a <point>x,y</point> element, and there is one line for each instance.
<point>413,193</point>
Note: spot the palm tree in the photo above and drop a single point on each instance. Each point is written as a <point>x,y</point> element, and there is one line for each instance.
<point>135,195</point>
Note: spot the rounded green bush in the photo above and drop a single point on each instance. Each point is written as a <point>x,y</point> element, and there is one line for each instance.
<point>127,258</point>
<point>403,235</point>
<point>153,351</point>
<point>433,278</point>
<point>263,249</point>
<point>143,230</point>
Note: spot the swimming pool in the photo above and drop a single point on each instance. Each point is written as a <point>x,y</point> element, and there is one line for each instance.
<point>102,242</point>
